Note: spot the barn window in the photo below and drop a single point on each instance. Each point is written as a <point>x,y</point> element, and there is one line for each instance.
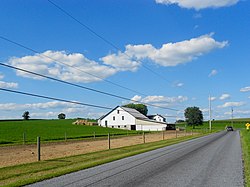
<point>118,126</point>
<point>112,126</point>
<point>118,111</point>
<point>125,126</point>
<point>114,118</point>
<point>122,117</point>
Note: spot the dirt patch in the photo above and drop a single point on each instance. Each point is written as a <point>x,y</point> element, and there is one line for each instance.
<point>13,155</point>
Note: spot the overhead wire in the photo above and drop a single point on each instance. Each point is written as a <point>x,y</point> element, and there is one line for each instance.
<point>71,66</point>
<point>83,87</point>
<point>62,100</point>
<point>53,98</point>
<point>102,38</point>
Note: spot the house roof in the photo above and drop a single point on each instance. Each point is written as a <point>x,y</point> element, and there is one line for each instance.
<point>131,111</point>
<point>134,113</point>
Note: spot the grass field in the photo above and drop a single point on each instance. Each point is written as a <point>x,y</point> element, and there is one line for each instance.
<point>245,139</point>
<point>12,132</point>
<point>221,124</point>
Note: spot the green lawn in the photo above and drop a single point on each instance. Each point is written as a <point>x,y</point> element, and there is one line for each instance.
<point>12,132</point>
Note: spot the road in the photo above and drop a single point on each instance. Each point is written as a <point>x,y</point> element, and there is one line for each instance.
<point>213,160</point>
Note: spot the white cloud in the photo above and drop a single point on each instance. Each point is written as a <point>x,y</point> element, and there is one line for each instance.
<point>121,61</point>
<point>46,110</point>
<point>79,68</point>
<point>212,98</point>
<point>136,98</point>
<point>231,104</point>
<point>224,96</point>
<point>213,73</point>
<point>245,89</point>
<point>1,76</point>
<point>37,106</point>
<point>178,84</point>
<point>8,84</point>
<point>199,4</point>
<point>161,100</point>
<point>173,54</point>
<point>48,66</point>
<point>244,112</point>
<point>4,84</point>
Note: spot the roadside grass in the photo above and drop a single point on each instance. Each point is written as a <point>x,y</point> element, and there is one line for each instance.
<point>13,132</point>
<point>245,141</point>
<point>24,174</point>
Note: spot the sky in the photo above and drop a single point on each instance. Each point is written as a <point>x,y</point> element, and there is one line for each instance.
<point>167,53</point>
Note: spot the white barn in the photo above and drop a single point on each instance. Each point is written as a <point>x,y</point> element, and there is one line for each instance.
<point>130,119</point>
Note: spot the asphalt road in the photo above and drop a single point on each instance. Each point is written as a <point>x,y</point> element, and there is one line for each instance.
<point>214,160</point>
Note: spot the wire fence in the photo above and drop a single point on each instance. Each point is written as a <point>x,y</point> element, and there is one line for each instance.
<point>42,150</point>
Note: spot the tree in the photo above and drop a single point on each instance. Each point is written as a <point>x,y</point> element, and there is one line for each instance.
<point>194,116</point>
<point>139,107</point>
<point>61,116</point>
<point>26,115</point>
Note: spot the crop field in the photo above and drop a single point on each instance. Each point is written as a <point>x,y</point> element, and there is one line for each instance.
<point>15,132</point>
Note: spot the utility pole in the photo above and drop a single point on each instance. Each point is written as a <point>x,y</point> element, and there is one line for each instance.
<point>210,123</point>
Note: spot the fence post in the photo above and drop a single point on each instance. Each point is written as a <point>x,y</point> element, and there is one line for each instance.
<point>176,133</point>
<point>38,149</point>
<point>94,135</point>
<point>24,138</point>
<point>143,134</point>
<point>192,132</point>
<point>108,140</point>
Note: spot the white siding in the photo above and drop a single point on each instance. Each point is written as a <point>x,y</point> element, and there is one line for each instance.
<point>118,122</point>
<point>149,125</point>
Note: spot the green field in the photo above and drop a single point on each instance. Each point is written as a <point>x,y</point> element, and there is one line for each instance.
<point>13,132</point>
<point>220,124</point>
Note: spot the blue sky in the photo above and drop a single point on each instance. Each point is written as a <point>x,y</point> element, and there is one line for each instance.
<point>196,48</point>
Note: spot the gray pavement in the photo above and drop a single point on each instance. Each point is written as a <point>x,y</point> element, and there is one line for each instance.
<point>213,160</point>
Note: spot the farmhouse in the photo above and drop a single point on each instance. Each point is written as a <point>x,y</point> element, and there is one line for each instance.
<point>130,119</point>
<point>157,117</point>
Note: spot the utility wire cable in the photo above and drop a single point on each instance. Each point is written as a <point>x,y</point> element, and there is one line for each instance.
<point>71,66</point>
<point>53,98</point>
<point>83,87</point>
<point>101,37</point>
<point>107,41</point>
<point>58,99</point>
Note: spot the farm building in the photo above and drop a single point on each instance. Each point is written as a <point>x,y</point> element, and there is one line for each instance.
<point>130,119</point>
<point>157,117</point>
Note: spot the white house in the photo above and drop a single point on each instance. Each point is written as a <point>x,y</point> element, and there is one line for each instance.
<point>130,119</point>
<point>157,117</point>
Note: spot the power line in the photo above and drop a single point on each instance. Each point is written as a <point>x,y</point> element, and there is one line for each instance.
<point>53,98</point>
<point>83,87</point>
<point>71,66</point>
<point>58,99</point>
<point>101,37</point>
<point>108,41</point>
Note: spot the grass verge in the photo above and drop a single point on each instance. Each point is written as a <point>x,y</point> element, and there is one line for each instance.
<point>24,174</point>
<point>245,139</point>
